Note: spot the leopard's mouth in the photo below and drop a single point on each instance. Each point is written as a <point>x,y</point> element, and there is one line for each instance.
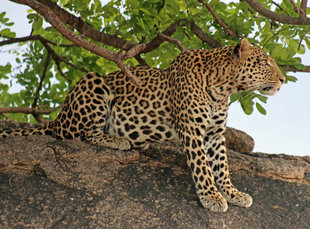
<point>268,90</point>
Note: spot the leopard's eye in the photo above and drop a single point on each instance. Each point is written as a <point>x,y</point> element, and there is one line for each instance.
<point>264,62</point>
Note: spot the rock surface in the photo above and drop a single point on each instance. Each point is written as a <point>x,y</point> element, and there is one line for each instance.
<point>48,183</point>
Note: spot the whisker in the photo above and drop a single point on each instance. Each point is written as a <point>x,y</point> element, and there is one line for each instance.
<point>250,95</point>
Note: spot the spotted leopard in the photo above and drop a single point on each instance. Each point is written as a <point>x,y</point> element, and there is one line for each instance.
<point>187,102</point>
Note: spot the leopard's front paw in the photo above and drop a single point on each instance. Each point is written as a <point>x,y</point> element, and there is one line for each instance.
<point>215,202</point>
<point>240,199</point>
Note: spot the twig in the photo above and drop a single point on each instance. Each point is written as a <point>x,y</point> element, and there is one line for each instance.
<point>303,37</point>
<point>296,8</point>
<point>277,4</point>
<point>303,8</point>
<point>45,43</point>
<point>31,38</point>
<point>62,73</point>
<point>34,104</point>
<point>58,58</point>
<point>275,34</point>
<point>128,72</point>
<point>172,40</point>
<point>226,28</point>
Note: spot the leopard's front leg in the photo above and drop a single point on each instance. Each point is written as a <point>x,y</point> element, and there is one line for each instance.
<point>208,194</point>
<point>217,158</point>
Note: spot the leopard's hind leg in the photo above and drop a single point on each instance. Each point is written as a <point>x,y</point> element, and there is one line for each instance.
<point>87,112</point>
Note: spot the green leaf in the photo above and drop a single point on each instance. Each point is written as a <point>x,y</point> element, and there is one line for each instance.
<point>234,97</point>
<point>2,15</point>
<point>291,78</point>
<point>262,98</point>
<point>7,33</point>
<point>307,40</point>
<point>17,60</point>
<point>247,106</point>
<point>37,24</point>
<point>261,109</point>
<point>5,69</point>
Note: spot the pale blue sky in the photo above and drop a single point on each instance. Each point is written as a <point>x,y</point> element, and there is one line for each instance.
<point>285,128</point>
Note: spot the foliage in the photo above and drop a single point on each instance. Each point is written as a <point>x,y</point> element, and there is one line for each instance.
<point>140,21</point>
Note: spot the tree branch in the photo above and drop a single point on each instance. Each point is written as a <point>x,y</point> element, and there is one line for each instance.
<point>31,38</point>
<point>141,60</point>
<point>27,110</point>
<point>226,28</point>
<point>172,40</point>
<point>203,36</point>
<point>296,8</point>
<point>59,59</point>
<point>303,37</point>
<point>34,104</point>
<point>294,69</point>
<point>303,7</point>
<point>156,42</point>
<point>277,17</point>
<point>62,73</point>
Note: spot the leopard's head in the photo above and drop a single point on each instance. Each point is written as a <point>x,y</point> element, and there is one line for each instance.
<point>255,70</point>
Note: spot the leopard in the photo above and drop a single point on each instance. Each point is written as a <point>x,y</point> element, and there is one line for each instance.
<point>186,102</point>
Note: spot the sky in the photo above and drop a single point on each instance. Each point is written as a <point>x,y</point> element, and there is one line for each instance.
<point>285,128</point>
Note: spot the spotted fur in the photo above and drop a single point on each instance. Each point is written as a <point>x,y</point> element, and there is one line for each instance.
<point>187,102</point>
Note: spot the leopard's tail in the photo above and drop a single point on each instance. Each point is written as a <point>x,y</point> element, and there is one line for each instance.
<point>46,129</point>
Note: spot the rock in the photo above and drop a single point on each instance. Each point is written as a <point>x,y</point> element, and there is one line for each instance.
<point>238,140</point>
<point>50,183</point>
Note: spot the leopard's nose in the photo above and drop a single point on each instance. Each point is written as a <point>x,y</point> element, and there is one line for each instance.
<point>282,79</point>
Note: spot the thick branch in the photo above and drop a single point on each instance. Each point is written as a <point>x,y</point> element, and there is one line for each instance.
<point>27,110</point>
<point>226,28</point>
<point>277,17</point>
<point>203,36</point>
<point>141,60</point>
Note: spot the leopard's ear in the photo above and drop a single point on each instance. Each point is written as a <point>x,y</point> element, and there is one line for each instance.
<point>243,49</point>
